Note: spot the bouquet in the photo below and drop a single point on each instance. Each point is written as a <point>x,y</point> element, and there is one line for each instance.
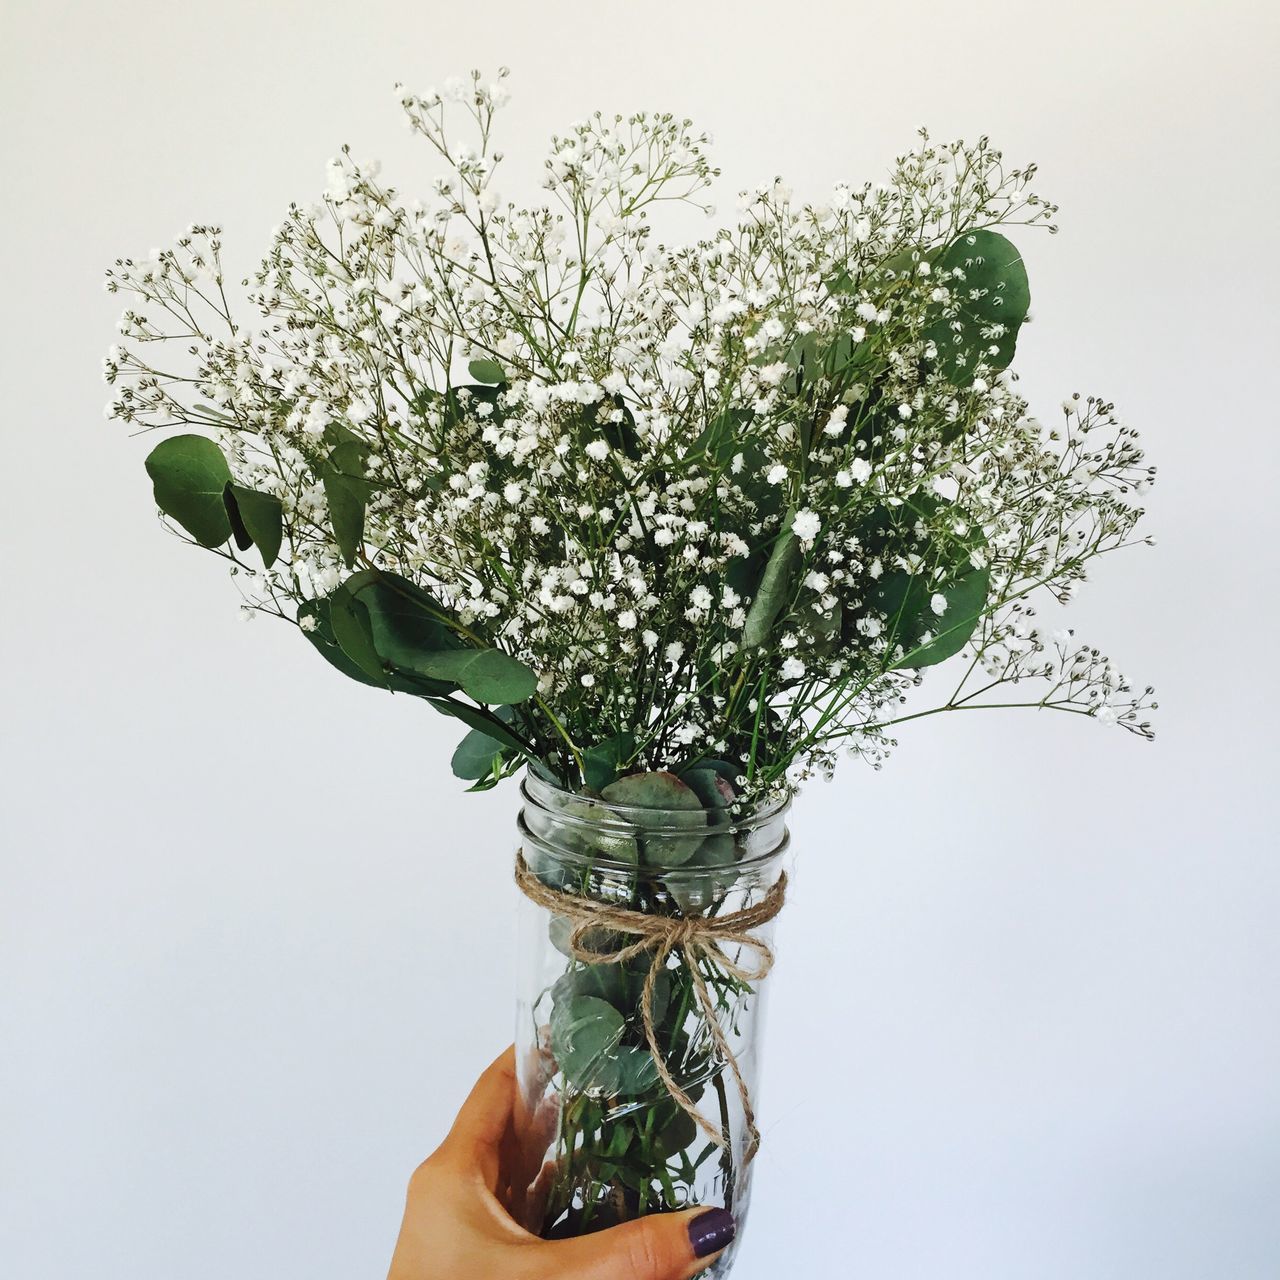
<point>666,528</point>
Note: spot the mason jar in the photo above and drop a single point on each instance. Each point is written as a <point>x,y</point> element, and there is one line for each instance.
<point>610,1019</point>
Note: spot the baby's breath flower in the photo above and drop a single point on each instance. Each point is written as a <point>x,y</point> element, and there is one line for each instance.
<point>584,444</point>
<point>806,525</point>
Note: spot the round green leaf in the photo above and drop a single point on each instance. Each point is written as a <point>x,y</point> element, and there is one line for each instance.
<point>694,886</point>
<point>966,599</point>
<point>675,807</point>
<point>494,676</point>
<point>679,1133</point>
<point>597,841</point>
<point>637,1072</point>
<point>729,772</point>
<point>476,755</point>
<point>560,929</point>
<point>602,763</point>
<point>487,675</point>
<point>259,517</point>
<point>407,622</point>
<point>489,371</point>
<point>658,790</point>
<point>320,634</point>
<point>347,493</point>
<point>585,1033</point>
<point>189,475</point>
<point>608,982</point>
<point>707,784</point>
<point>990,298</point>
<point>349,620</point>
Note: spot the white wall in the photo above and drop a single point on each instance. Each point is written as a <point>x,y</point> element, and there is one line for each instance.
<point>253,939</point>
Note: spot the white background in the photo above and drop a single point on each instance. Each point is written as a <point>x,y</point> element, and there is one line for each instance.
<point>254,940</point>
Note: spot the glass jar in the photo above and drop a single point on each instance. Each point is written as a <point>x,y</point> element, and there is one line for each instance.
<point>602,1138</point>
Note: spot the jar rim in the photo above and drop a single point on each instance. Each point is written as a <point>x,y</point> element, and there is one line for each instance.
<point>538,790</point>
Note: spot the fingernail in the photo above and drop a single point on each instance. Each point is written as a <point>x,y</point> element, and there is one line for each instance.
<point>712,1231</point>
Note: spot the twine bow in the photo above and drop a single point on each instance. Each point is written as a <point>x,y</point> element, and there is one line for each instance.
<point>697,937</point>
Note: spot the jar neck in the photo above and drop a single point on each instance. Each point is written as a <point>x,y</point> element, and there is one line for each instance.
<point>586,831</point>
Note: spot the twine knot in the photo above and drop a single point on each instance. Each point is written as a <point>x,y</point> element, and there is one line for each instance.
<point>697,937</point>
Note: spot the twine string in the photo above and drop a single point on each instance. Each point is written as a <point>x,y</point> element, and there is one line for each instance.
<point>696,938</point>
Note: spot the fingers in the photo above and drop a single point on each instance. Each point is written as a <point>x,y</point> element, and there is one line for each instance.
<point>526,1159</point>
<point>484,1119</point>
<point>663,1246</point>
<point>538,1195</point>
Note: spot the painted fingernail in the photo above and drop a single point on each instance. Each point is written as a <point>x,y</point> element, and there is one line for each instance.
<point>712,1231</point>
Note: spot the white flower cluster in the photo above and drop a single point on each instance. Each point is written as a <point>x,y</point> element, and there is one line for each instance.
<point>698,489</point>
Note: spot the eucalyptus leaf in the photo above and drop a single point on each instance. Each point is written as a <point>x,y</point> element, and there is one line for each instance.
<point>637,1073</point>
<point>487,675</point>
<point>560,928</point>
<point>709,786</point>
<point>487,371</point>
<point>257,519</point>
<point>675,807</point>
<point>774,589</point>
<point>347,492</point>
<point>663,989</point>
<point>610,982</point>
<point>477,756</point>
<point>805,361</point>
<point>576,827</point>
<point>658,790</point>
<point>729,772</point>
<point>459,402</point>
<point>408,623</point>
<point>620,433</point>
<point>907,602</point>
<point>242,537</point>
<point>585,1034</point>
<point>966,600</point>
<point>902,267</point>
<point>479,753</point>
<point>337,433</point>
<point>320,634</point>
<point>676,1135</point>
<point>824,625</point>
<point>722,439</point>
<point>692,887</point>
<point>603,762</point>
<point>494,676</point>
<point>189,475</point>
<point>990,298</point>
<point>349,620</point>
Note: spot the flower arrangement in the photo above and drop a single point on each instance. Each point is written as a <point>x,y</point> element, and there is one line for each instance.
<point>670,526</point>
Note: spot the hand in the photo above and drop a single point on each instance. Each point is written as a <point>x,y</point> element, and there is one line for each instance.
<point>457,1227</point>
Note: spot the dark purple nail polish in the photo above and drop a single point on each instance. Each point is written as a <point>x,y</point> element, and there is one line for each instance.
<point>711,1231</point>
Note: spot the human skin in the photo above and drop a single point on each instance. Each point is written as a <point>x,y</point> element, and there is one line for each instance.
<point>457,1224</point>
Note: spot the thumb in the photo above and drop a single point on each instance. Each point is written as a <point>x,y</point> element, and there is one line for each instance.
<point>662,1246</point>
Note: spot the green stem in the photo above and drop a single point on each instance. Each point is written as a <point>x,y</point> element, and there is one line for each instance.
<point>726,1154</point>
